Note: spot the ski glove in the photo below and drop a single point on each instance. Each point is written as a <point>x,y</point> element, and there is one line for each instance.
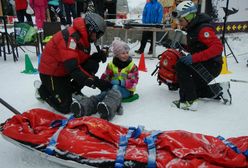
<point>100,56</point>
<point>103,85</point>
<point>90,83</point>
<point>187,59</point>
<point>103,54</point>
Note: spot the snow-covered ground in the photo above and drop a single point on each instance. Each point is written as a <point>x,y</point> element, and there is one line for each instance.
<point>152,109</point>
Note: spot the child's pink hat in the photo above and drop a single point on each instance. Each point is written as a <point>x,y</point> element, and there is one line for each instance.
<point>119,47</point>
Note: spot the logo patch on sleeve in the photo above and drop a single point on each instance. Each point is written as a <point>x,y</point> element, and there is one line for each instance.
<point>72,44</point>
<point>206,34</point>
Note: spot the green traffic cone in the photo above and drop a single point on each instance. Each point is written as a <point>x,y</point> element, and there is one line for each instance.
<point>29,69</point>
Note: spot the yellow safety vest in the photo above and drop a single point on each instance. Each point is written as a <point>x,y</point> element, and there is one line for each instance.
<point>122,75</point>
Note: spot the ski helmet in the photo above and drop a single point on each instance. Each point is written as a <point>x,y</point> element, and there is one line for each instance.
<point>184,8</point>
<point>95,23</point>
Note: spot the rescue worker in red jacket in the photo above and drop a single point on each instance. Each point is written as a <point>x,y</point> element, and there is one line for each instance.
<point>66,65</point>
<point>204,53</point>
<point>21,6</point>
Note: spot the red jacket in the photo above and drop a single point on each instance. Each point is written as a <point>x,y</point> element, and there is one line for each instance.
<point>69,1</point>
<point>208,37</point>
<point>21,4</point>
<point>202,41</point>
<point>34,3</point>
<point>56,52</point>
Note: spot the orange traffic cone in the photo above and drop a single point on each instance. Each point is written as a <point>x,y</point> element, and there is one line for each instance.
<point>142,64</point>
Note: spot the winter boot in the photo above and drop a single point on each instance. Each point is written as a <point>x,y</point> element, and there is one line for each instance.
<point>225,93</point>
<point>110,105</point>
<point>86,106</point>
<point>37,84</point>
<point>120,110</point>
<point>187,105</point>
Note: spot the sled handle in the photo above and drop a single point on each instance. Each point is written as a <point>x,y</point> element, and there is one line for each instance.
<point>8,106</point>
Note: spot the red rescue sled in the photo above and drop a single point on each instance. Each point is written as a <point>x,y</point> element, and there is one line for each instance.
<point>96,142</point>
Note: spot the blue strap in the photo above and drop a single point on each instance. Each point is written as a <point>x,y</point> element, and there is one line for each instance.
<point>53,140</point>
<point>132,132</point>
<point>150,141</point>
<point>232,146</point>
<point>246,153</point>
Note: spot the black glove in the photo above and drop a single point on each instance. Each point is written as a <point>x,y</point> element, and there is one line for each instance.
<point>90,82</point>
<point>102,84</point>
<point>100,56</point>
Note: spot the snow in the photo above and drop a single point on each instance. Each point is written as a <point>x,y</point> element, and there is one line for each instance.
<point>152,109</point>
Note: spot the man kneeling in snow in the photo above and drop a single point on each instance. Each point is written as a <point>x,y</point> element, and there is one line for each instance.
<point>66,65</point>
<point>203,63</point>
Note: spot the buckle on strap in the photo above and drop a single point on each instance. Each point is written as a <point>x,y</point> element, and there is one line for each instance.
<point>53,140</point>
<point>132,133</point>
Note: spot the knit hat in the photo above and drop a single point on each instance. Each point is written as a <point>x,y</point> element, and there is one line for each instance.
<point>119,47</point>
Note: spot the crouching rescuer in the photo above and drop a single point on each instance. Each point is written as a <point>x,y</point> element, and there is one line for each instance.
<point>66,65</point>
<point>203,61</point>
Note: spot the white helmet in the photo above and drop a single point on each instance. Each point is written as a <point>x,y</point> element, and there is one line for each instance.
<point>184,8</point>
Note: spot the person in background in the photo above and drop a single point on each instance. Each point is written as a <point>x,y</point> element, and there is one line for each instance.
<point>54,10</point>
<point>152,14</point>
<point>39,7</point>
<point>204,49</point>
<point>99,7</point>
<point>70,10</point>
<point>110,5</point>
<point>81,7</point>
<point>21,6</point>
<point>66,65</point>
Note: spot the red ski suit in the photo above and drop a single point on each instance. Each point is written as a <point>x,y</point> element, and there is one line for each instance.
<point>57,51</point>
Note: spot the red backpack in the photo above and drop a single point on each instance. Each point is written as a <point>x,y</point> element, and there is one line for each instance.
<point>166,68</point>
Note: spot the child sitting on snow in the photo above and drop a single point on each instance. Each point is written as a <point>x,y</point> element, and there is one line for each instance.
<point>122,71</point>
<point>123,74</point>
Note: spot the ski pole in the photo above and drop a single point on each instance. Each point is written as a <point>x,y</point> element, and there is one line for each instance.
<point>9,106</point>
<point>237,80</point>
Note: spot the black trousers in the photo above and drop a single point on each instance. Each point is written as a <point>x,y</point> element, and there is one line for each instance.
<point>21,14</point>
<point>146,35</point>
<point>56,11</point>
<point>191,84</point>
<point>70,10</point>
<point>57,91</point>
<point>100,7</point>
<point>111,6</point>
<point>81,8</point>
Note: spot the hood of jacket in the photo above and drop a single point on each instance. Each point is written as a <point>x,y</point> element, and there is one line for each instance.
<point>80,26</point>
